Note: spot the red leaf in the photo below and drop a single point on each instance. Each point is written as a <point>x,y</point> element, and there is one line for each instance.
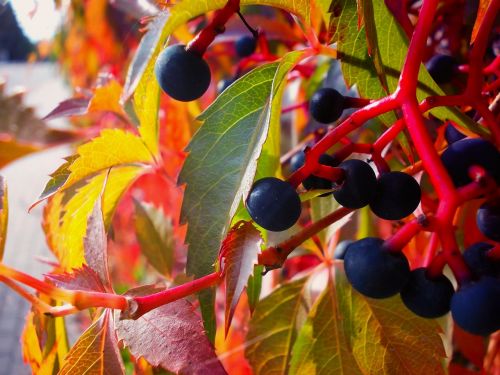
<point>481,11</point>
<point>472,347</point>
<point>170,336</point>
<point>96,246</point>
<point>96,351</point>
<point>69,107</point>
<point>83,278</point>
<point>239,251</point>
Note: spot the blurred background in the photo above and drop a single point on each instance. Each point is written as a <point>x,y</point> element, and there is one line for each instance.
<point>30,85</point>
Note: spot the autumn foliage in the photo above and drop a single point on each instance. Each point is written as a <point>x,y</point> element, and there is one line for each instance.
<point>154,248</point>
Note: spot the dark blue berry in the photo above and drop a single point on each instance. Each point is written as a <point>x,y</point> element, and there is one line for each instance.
<point>374,271</point>
<point>476,257</point>
<point>341,248</point>
<point>396,196</point>
<point>326,105</point>
<point>426,297</point>
<point>184,75</point>
<point>358,184</point>
<point>273,204</point>
<point>452,135</point>
<point>245,46</point>
<point>475,307</point>
<point>463,154</point>
<point>442,68</point>
<point>488,220</point>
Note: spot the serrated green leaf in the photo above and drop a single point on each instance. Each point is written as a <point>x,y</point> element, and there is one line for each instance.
<point>222,159</point>
<point>348,333</point>
<point>358,66</point>
<point>58,178</point>
<point>155,235</point>
<point>380,331</point>
<point>322,346</point>
<point>4,214</point>
<point>273,329</point>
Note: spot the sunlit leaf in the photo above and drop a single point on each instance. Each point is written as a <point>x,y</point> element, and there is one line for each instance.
<point>96,351</point>
<point>11,150</point>
<point>67,212</point>
<point>380,331</point>
<point>240,250</point>
<point>170,336</point>
<point>58,178</point>
<point>113,147</point>
<point>323,344</point>
<point>106,98</point>
<point>155,235</point>
<point>273,329</point>
<point>4,214</point>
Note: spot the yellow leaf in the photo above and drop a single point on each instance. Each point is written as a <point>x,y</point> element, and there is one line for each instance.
<point>107,98</point>
<point>4,214</point>
<point>96,351</point>
<point>146,103</point>
<point>67,212</point>
<point>112,148</point>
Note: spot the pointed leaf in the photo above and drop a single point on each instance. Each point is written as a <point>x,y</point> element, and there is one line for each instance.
<point>96,351</point>
<point>481,11</point>
<point>273,329</point>
<point>107,98</point>
<point>323,346</point>
<point>223,157</point>
<point>67,212</point>
<point>170,336</point>
<point>95,244</point>
<point>69,107</point>
<point>155,235</point>
<point>4,214</point>
<point>84,278</point>
<point>239,250</point>
<point>59,177</point>
<point>113,147</point>
<point>380,331</point>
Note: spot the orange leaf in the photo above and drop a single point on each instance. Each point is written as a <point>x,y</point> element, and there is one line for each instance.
<point>107,99</point>
<point>481,11</point>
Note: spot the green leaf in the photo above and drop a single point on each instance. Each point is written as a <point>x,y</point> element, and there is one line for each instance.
<point>4,214</point>
<point>322,346</point>
<point>58,178</point>
<point>348,333</point>
<point>155,235</point>
<point>320,207</point>
<point>239,250</point>
<point>380,332</point>
<point>273,329</point>
<point>359,67</point>
<point>222,159</point>
<point>254,287</point>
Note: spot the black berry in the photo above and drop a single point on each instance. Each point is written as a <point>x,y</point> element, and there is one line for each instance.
<point>358,185</point>
<point>426,297</point>
<point>463,154</point>
<point>326,105</point>
<point>245,46</point>
<point>452,135</point>
<point>476,257</point>
<point>182,74</point>
<point>475,307</point>
<point>273,204</point>
<point>396,196</point>
<point>488,220</point>
<point>442,68</point>
<point>374,271</point>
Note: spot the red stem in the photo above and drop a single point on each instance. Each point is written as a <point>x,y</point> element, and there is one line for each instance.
<point>400,239</point>
<point>200,42</point>
<point>139,306</point>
